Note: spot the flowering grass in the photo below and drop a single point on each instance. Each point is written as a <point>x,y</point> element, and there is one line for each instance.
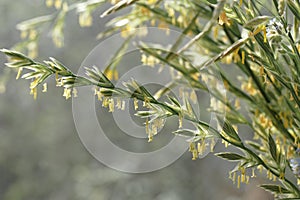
<point>259,39</point>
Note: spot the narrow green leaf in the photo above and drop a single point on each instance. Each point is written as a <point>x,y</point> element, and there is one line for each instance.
<point>59,65</point>
<point>255,145</point>
<point>16,64</point>
<point>230,156</point>
<point>272,147</point>
<point>275,189</point>
<point>230,132</point>
<point>118,6</point>
<point>146,93</point>
<point>185,132</point>
<point>226,52</point>
<point>295,8</point>
<point>145,114</point>
<point>257,21</point>
<point>31,75</point>
<point>16,55</point>
<point>190,111</point>
<point>175,101</point>
<point>164,90</point>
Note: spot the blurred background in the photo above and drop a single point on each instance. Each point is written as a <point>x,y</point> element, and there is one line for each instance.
<point>41,156</point>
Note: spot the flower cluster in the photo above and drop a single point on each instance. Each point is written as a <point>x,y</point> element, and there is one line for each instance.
<point>234,37</point>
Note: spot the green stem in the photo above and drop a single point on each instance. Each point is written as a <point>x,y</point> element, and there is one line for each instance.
<point>284,179</point>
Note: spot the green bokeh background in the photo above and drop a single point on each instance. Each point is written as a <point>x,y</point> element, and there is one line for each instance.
<point>41,156</point>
